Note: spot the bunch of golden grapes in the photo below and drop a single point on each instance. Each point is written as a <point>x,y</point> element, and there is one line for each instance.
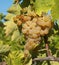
<point>33,27</point>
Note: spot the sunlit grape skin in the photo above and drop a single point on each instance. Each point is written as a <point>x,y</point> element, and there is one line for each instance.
<point>33,27</point>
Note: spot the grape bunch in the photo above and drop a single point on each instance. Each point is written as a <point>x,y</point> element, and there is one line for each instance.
<point>33,27</point>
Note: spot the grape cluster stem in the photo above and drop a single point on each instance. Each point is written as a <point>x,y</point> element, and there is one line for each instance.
<point>48,53</point>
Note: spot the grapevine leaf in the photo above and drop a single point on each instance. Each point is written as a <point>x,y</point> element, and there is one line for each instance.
<point>16,35</point>
<point>55,10</point>
<point>54,63</point>
<point>9,16</point>
<point>1,24</point>
<point>25,3</point>
<point>1,42</point>
<point>10,26</point>
<point>1,16</point>
<point>15,57</point>
<point>56,25</point>
<point>58,22</point>
<point>15,9</point>
<point>54,39</point>
<point>43,6</point>
<point>51,63</point>
<point>30,62</point>
<point>44,63</point>
<point>31,1</point>
<point>4,48</point>
<point>12,30</point>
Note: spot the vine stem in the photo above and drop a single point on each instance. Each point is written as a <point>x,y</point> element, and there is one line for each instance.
<point>49,58</point>
<point>47,46</point>
<point>49,55</point>
<point>47,49</point>
<point>3,63</point>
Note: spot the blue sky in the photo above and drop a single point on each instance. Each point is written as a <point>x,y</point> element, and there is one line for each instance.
<point>4,5</point>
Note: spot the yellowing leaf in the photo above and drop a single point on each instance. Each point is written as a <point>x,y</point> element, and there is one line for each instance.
<point>54,63</point>
<point>15,9</point>
<point>16,35</point>
<point>15,57</point>
<point>4,48</point>
<point>9,16</point>
<point>43,6</point>
<point>55,10</point>
<point>30,62</point>
<point>10,26</point>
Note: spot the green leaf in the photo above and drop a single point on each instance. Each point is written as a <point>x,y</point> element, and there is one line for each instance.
<point>54,41</point>
<point>10,27</point>
<point>54,63</point>
<point>9,16</point>
<point>58,22</point>
<point>4,48</point>
<point>16,35</point>
<point>30,62</point>
<point>1,24</point>
<point>14,58</point>
<point>55,10</point>
<point>25,3</point>
<point>15,9</point>
<point>1,16</point>
<point>43,6</point>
